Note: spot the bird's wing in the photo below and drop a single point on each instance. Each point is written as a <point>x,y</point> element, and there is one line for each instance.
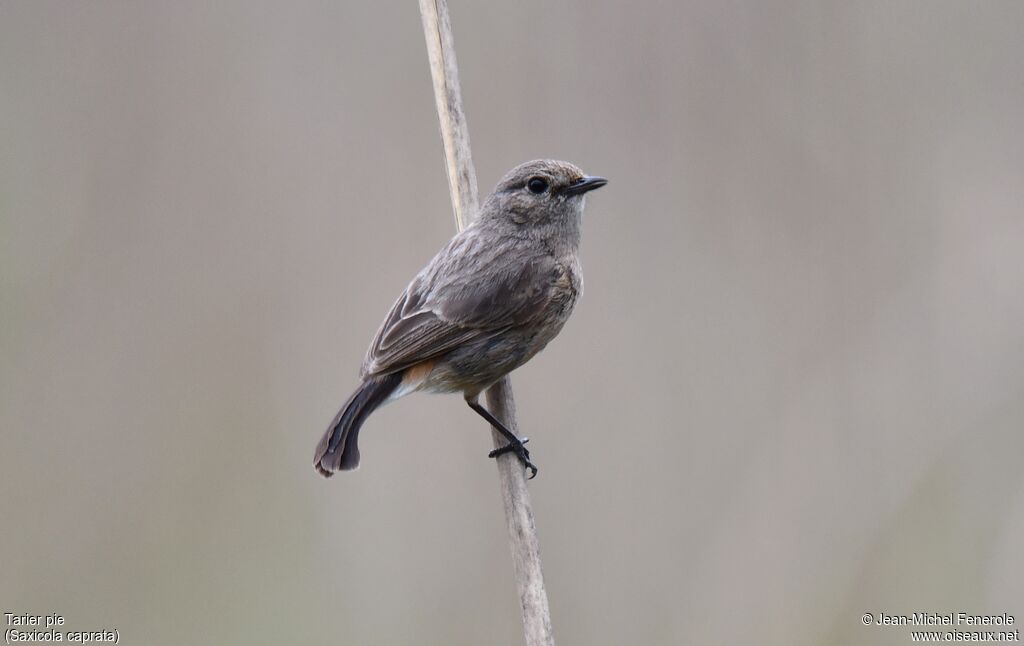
<point>470,291</point>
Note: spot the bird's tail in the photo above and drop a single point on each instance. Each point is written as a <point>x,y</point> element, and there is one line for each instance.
<point>338,449</point>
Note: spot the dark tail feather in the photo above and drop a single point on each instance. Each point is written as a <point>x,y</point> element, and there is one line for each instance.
<point>338,449</point>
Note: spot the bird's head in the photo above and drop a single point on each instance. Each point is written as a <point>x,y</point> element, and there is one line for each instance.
<point>540,193</point>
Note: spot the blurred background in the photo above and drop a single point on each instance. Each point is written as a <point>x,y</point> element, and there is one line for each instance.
<point>793,392</point>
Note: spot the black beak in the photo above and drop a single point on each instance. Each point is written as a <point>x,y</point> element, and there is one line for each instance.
<point>584,184</point>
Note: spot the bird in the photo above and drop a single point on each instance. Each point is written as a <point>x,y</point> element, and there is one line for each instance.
<point>493,297</point>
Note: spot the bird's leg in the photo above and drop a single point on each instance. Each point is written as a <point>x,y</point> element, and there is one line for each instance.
<point>515,444</point>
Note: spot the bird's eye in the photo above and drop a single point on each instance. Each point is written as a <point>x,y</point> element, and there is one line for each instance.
<point>537,185</point>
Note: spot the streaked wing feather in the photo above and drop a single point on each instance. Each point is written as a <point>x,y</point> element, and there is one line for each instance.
<point>441,310</point>
<point>430,338</point>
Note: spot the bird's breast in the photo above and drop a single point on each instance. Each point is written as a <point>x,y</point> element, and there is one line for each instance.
<point>568,284</point>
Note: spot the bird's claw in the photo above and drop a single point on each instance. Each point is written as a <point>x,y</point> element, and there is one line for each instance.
<point>520,451</point>
<point>511,447</point>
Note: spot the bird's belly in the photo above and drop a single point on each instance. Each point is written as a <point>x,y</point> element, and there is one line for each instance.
<point>478,364</point>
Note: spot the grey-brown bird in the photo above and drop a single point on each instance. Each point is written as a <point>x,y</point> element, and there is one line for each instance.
<point>491,299</point>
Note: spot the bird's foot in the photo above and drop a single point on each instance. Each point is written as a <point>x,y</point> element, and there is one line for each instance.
<point>521,452</point>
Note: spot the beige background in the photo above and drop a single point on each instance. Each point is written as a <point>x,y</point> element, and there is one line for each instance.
<point>791,394</point>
